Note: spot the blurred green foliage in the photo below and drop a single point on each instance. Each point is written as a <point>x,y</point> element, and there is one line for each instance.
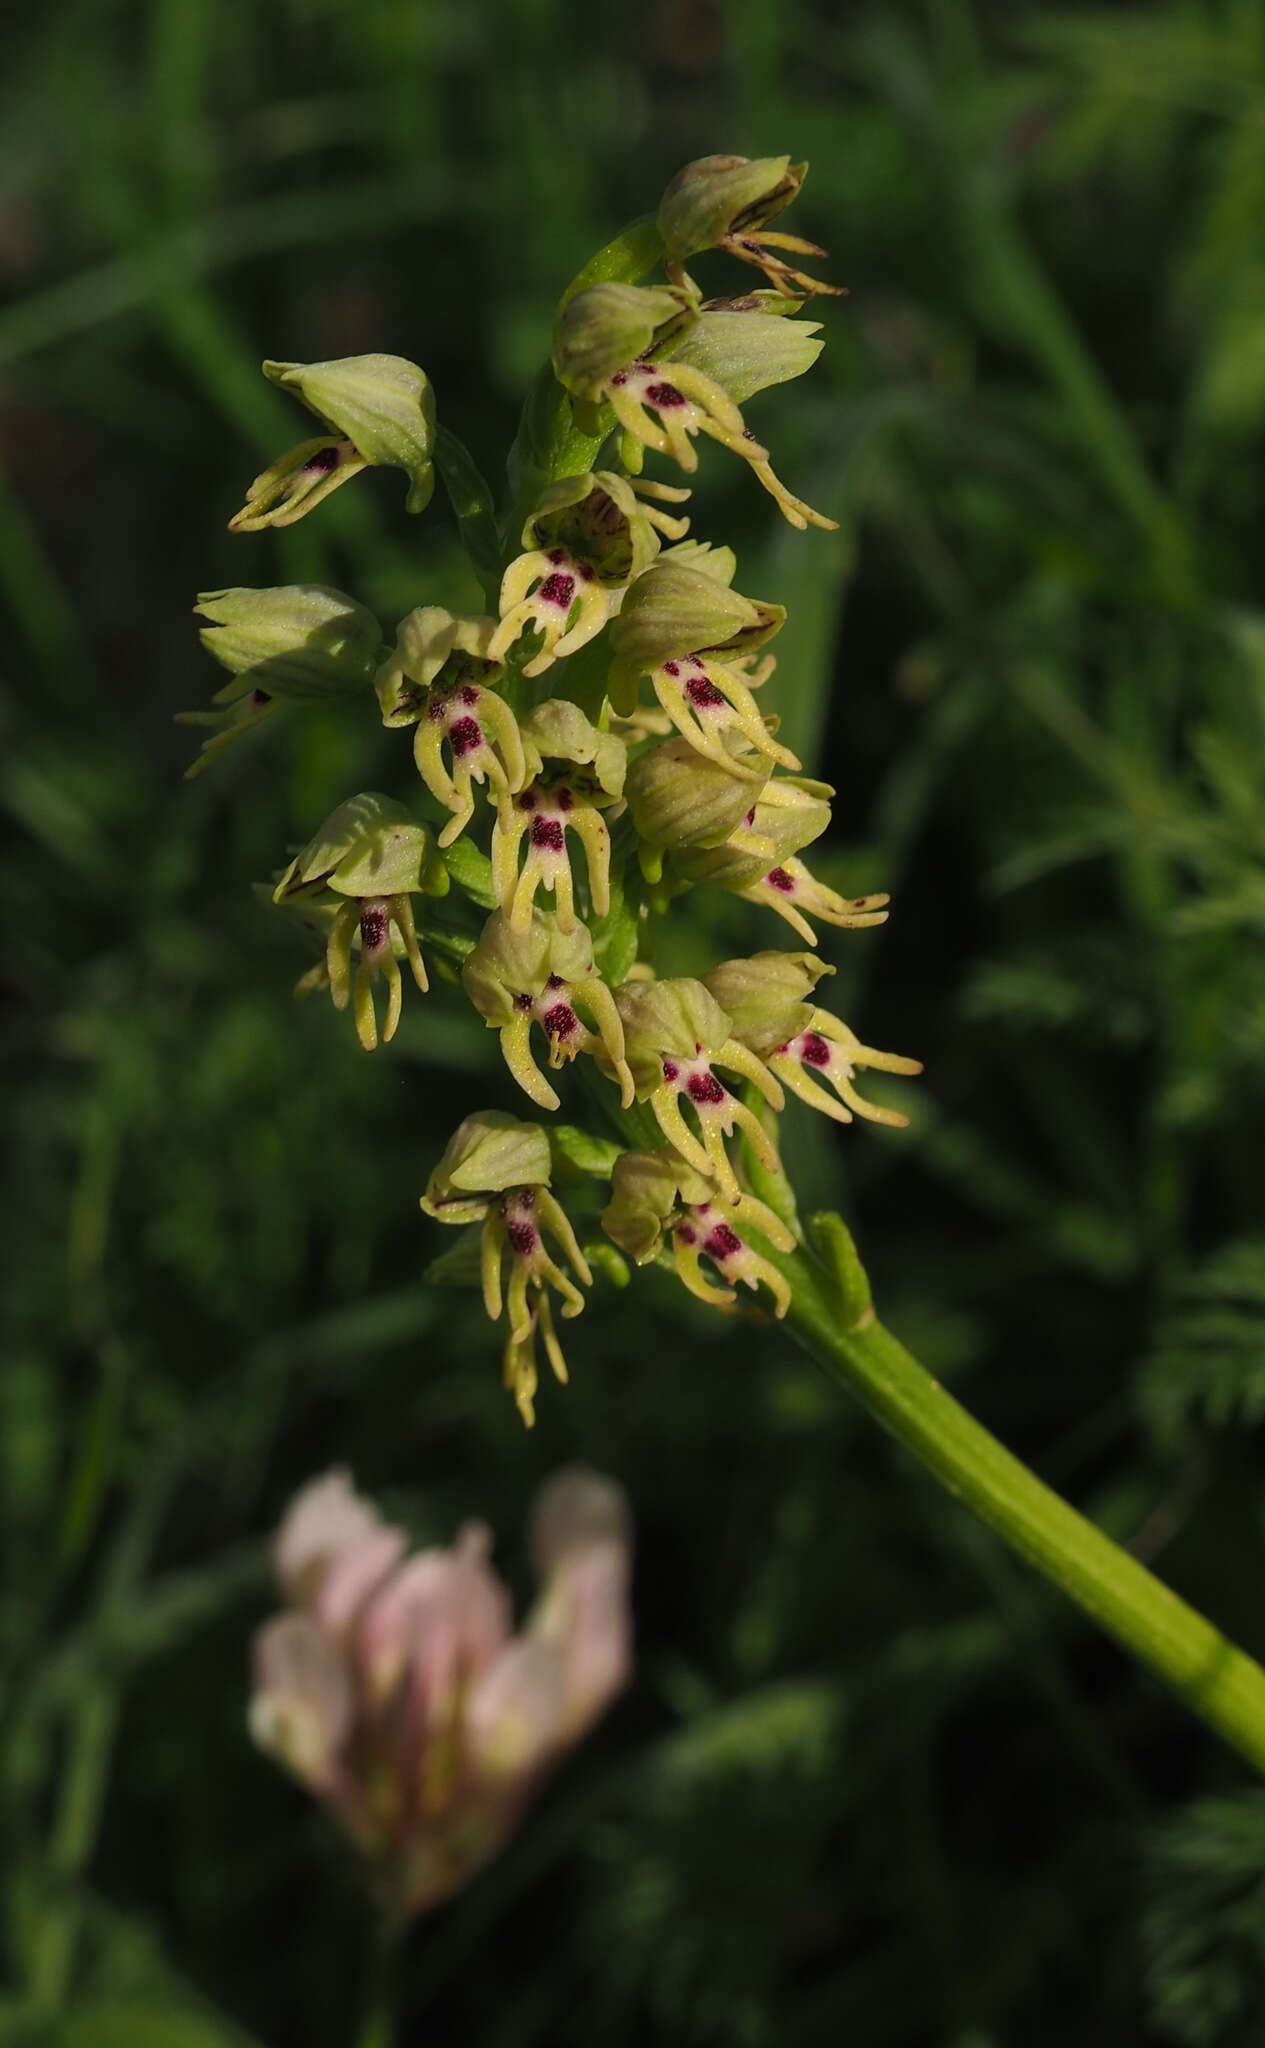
<point>872,1782</point>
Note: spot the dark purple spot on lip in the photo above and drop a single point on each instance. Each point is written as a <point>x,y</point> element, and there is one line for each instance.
<point>706,1090</point>
<point>664,396</point>
<point>555,981</point>
<point>558,590</point>
<point>522,1237</point>
<point>671,668</point>
<point>560,1021</point>
<point>670,1070</point>
<point>465,736</point>
<point>547,832</point>
<point>522,1002</point>
<point>814,1050</point>
<point>777,878</point>
<point>722,1243</point>
<point>619,379</point>
<point>557,556</point>
<point>700,690</point>
<point>527,801</point>
<point>686,1233</point>
<point>467,694</point>
<point>564,799</point>
<point>322,462</point>
<point>586,571</point>
<point>750,817</point>
<point>373,929</point>
<point>259,698</point>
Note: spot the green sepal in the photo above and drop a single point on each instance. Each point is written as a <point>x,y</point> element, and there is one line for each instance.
<point>368,846</point>
<point>489,1152</point>
<point>582,1152</point>
<point>600,331</point>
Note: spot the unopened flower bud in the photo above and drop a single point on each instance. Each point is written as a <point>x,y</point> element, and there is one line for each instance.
<point>680,799</point>
<point>300,641</point>
<point>558,730</point>
<point>766,996</point>
<point>726,202</point>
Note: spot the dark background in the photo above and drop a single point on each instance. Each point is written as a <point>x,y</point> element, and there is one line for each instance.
<point>873,1781</point>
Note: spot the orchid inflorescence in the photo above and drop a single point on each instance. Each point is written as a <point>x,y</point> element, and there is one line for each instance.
<point>588,750</point>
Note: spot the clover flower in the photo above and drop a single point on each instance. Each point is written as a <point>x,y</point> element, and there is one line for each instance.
<point>496,1170</point>
<point>544,976</point>
<point>394,1689</point>
<point>658,1195</point>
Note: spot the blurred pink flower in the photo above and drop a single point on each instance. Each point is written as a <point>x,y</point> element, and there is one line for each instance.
<point>396,1691</point>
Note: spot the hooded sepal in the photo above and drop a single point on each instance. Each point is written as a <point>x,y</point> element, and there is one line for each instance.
<point>726,202</point>
<point>488,1153</point>
<point>434,649</point>
<point>681,608</point>
<point>602,329</point>
<point>382,405</point>
<point>679,800</point>
<point>544,976</point>
<point>300,641</point>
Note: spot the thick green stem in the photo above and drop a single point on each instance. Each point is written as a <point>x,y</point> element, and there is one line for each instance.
<point>1214,1678</point>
